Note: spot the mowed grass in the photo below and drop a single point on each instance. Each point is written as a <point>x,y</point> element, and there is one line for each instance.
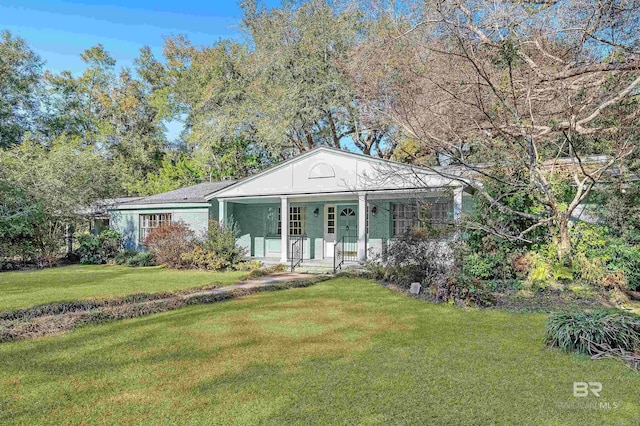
<point>344,351</point>
<point>80,282</point>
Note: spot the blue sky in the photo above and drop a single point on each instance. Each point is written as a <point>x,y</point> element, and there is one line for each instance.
<point>60,30</point>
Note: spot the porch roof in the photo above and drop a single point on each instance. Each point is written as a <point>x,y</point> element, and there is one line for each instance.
<point>350,196</point>
<point>329,172</point>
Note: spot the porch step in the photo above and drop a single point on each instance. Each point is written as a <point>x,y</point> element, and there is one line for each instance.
<point>312,266</point>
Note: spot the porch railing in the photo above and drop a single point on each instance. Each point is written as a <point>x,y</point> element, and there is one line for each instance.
<point>345,250</point>
<point>296,244</point>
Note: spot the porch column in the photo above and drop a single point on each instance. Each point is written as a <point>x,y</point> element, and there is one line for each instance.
<point>457,203</point>
<point>362,226</point>
<point>222,211</point>
<point>284,227</point>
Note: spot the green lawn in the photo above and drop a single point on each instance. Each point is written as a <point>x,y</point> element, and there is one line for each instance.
<point>28,288</point>
<point>344,351</point>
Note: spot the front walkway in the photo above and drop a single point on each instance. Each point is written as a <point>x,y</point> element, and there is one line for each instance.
<point>38,322</point>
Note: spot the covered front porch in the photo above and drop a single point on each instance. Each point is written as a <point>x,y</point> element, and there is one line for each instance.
<point>352,226</point>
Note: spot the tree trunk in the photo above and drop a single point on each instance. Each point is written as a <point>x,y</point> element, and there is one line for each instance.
<point>564,241</point>
<point>69,239</point>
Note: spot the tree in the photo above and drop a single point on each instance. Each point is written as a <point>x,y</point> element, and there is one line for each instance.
<point>543,95</point>
<point>58,182</point>
<point>118,114</point>
<point>19,218</point>
<point>302,96</point>
<point>20,71</point>
<point>173,174</point>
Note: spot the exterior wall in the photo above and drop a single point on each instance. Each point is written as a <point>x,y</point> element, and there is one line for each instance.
<point>127,222</point>
<point>380,226</point>
<point>467,203</point>
<point>259,241</point>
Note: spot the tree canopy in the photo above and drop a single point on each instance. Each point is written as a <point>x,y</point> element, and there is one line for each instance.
<point>537,99</point>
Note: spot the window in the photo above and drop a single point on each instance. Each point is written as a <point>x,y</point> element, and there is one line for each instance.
<point>331,219</point>
<point>405,216</point>
<point>437,212</point>
<point>273,221</point>
<point>297,221</point>
<point>151,221</point>
<point>426,213</point>
<point>347,212</point>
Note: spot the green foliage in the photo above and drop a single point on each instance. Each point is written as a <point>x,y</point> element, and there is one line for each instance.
<point>20,216</point>
<point>218,251</point>
<point>141,259</point>
<point>594,244</point>
<point>222,241</point>
<point>589,332</point>
<point>134,258</point>
<point>95,249</point>
<point>200,258</point>
<point>482,266</point>
<point>20,74</point>
<point>171,175</point>
<point>57,184</point>
<point>123,256</point>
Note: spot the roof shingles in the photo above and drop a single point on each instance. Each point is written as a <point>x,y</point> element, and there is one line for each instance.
<point>190,194</point>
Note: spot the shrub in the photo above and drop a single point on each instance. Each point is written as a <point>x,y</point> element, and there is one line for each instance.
<point>123,257</point>
<point>99,248</point>
<point>222,241</point>
<point>413,257</point>
<point>144,258</point>
<point>480,266</point>
<point>217,251</point>
<point>200,258</point>
<point>134,258</point>
<point>463,291</point>
<point>249,265</point>
<point>167,244</point>
<point>595,245</point>
<point>273,269</point>
<point>590,332</point>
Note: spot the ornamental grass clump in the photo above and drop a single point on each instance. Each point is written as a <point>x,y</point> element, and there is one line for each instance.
<point>598,334</point>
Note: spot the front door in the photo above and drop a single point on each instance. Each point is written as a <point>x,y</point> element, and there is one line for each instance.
<point>348,229</point>
<point>329,229</point>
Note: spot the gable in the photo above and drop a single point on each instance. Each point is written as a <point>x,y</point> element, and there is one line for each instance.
<point>326,170</point>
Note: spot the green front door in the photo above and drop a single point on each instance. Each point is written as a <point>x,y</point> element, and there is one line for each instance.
<point>348,228</point>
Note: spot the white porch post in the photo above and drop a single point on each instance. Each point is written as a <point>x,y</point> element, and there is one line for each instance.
<point>457,203</point>
<point>222,211</point>
<point>284,226</point>
<point>362,226</point>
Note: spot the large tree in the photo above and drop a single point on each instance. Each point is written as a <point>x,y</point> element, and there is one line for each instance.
<point>54,185</point>
<point>112,111</point>
<point>20,73</point>
<point>533,98</point>
<point>281,90</point>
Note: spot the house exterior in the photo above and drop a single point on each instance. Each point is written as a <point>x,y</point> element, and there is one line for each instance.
<point>320,204</point>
